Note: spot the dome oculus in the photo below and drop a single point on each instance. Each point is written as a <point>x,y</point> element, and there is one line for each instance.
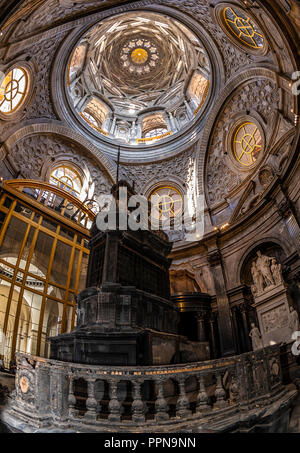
<point>139,55</point>
<point>136,67</point>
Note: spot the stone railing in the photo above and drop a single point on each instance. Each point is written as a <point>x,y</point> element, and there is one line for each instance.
<point>59,395</point>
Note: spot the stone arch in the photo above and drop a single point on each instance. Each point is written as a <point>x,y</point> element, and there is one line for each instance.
<point>232,86</point>
<point>63,132</point>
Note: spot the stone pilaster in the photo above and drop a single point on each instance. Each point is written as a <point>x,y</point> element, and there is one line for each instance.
<point>224,318</point>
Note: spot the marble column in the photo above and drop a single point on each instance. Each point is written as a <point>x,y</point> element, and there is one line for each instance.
<point>287,212</point>
<point>213,346</point>
<point>113,126</point>
<point>235,323</point>
<point>173,125</point>
<point>224,318</point>
<point>188,109</point>
<point>244,312</point>
<point>200,318</point>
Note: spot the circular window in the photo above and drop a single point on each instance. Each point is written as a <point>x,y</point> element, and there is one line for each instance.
<point>166,203</point>
<point>247,144</point>
<point>243,28</point>
<point>13,90</point>
<point>67,179</point>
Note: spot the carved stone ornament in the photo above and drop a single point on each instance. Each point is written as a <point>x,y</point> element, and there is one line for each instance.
<point>24,384</point>
<point>255,336</point>
<point>266,273</point>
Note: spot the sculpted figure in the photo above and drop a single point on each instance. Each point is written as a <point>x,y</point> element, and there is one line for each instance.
<point>294,321</point>
<point>257,287</point>
<point>255,336</point>
<point>80,315</point>
<point>276,269</point>
<point>263,266</point>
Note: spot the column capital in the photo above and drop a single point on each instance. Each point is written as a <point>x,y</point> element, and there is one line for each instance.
<point>214,258</point>
<point>200,315</point>
<point>285,208</point>
<point>243,308</point>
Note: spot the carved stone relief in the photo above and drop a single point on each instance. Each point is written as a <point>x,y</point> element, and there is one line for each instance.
<point>181,166</point>
<point>233,58</point>
<point>266,272</point>
<point>222,177</point>
<point>30,154</point>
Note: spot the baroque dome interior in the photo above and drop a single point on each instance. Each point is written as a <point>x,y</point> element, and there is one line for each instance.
<point>138,77</point>
<point>191,106</point>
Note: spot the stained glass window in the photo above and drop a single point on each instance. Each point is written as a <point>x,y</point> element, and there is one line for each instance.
<point>68,179</point>
<point>243,27</point>
<point>13,90</point>
<point>166,203</point>
<point>247,144</point>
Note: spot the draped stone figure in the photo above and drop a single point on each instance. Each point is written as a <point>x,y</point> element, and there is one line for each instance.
<point>276,269</point>
<point>257,287</point>
<point>263,266</point>
<point>294,321</point>
<point>255,336</point>
<point>265,272</point>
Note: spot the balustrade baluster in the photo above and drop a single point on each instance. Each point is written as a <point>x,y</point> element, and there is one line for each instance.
<point>138,409</point>
<point>72,399</point>
<point>220,393</point>
<point>182,406</point>
<point>202,399</point>
<point>91,403</point>
<point>161,406</point>
<point>114,405</point>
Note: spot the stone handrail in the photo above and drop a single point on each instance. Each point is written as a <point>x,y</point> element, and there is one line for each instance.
<point>54,393</point>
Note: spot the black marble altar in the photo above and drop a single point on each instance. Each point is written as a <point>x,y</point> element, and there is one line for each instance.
<point>125,316</point>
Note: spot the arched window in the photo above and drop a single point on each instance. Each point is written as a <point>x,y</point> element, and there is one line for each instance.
<point>90,119</point>
<point>156,132</point>
<point>13,90</point>
<point>68,179</point>
<point>243,28</point>
<point>247,144</point>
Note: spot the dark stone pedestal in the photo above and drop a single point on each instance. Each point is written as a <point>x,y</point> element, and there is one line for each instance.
<point>118,325</point>
<point>124,316</point>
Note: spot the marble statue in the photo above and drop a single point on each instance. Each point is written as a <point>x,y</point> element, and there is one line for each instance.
<point>263,266</point>
<point>257,287</point>
<point>80,312</point>
<point>255,336</point>
<point>265,272</point>
<point>294,321</point>
<point>276,269</point>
